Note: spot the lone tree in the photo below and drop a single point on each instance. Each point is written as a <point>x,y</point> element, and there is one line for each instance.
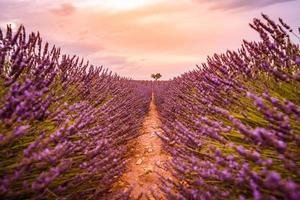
<point>156,76</point>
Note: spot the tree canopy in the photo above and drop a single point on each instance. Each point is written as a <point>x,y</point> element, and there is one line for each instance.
<point>156,76</point>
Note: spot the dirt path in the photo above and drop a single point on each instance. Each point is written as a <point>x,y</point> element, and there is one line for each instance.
<point>148,159</point>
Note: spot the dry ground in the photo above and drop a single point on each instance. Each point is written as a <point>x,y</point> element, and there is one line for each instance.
<point>147,160</point>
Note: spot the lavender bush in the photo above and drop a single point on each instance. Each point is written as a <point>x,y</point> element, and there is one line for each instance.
<point>64,124</point>
<point>233,125</point>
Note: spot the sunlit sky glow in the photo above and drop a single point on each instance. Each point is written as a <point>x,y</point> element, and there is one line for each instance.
<point>135,38</point>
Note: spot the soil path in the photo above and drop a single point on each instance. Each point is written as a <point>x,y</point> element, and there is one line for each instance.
<point>148,159</point>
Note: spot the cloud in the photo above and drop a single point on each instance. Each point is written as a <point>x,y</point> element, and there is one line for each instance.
<point>79,48</point>
<point>241,4</point>
<point>113,60</point>
<point>64,9</point>
<point>168,36</point>
<point>9,8</point>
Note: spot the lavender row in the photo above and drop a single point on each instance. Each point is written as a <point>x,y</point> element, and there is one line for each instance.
<point>233,125</point>
<point>64,124</point>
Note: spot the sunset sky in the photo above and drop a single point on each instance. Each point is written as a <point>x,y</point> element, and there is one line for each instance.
<point>135,38</point>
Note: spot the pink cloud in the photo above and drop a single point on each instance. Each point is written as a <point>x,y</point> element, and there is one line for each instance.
<point>64,9</point>
<point>244,4</point>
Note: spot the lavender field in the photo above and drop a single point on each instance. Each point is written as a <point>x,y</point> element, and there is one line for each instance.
<point>229,129</point>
